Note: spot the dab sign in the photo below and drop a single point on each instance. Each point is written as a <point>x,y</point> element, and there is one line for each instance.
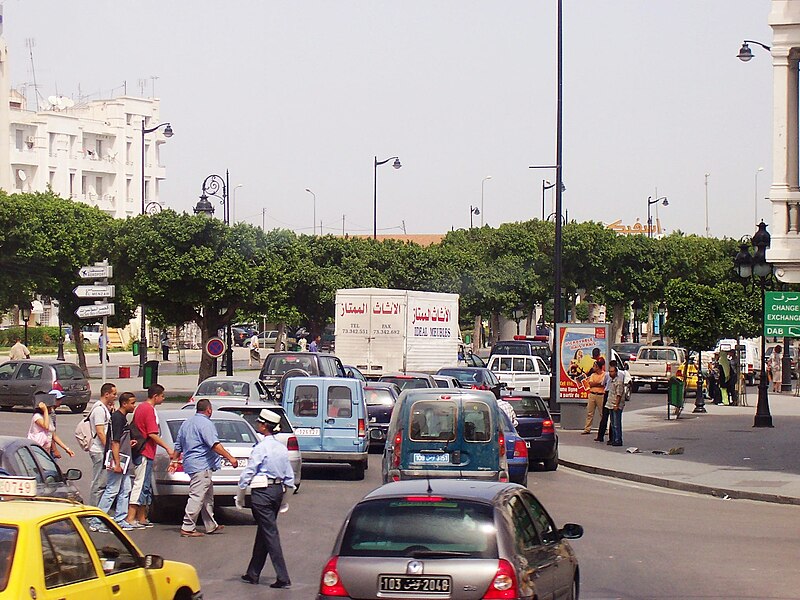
<point>782,314</point>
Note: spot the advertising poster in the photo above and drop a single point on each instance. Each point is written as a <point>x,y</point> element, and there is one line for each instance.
<point>579,345</point>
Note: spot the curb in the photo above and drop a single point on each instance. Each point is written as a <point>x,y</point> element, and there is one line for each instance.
<point>682,486</point>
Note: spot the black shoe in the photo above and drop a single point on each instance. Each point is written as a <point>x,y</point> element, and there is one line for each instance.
<point>620,444</point>
<point>281,584</point>
<point>247,579</point>
<point>598,439</point>
<point>608,443</point>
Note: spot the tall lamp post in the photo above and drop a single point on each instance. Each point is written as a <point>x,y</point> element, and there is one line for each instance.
<point>396,164</point>
<point>755,194</point>
<point>650,203</point>
<point>215,185</point>
<point>546,185</point>
<point>168,133</point>
<point>60,355</point>
<point>662,310</point>
<point>637,317</point>
<point>473,210</point>
<point>25,312</point>
<point>751,269</point>
<point>484,180</point>
<point>314,196</point>
<point>708,231</point>
<point>233,202</point>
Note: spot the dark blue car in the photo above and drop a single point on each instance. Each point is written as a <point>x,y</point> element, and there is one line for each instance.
<point>516,453</point>
<point>536,427</point>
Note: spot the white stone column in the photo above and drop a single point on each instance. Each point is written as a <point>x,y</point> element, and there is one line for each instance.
<point>783,175</point>
<point>5,117</point>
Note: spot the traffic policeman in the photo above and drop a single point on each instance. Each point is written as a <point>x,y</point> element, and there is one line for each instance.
<point>268,474</point>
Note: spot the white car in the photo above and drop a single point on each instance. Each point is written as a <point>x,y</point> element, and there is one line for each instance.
<point>232,388</point>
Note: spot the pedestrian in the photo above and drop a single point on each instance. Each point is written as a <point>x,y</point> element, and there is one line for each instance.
<point>197,440</point>
<point>776,366</point>
<point>99,420</point>
<point>596,394</point>
<point>314,345</point>
<point>55,402</point>
<point>254,353</point>
<point>19,351</point>
<point>165,345</point>
<point>42,430</point>
<point>303,343</point>
<point>145,419</point>
<point>118,465</point>
<point>725,372</point>
<point>601,430</point>
<point>102,346</point>
<point>616,404</point>
<point>268,474</point>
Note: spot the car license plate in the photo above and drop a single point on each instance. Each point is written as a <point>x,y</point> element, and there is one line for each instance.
<point>240,463</point>
<point>306,431</point>
<point>437,459</point>
<point>404,583</point>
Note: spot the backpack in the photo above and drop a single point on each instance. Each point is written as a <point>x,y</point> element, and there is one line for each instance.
<point>138,437</point>
<point>84,433</point>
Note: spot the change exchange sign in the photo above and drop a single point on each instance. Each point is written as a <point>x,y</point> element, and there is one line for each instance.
<point>782,314</point>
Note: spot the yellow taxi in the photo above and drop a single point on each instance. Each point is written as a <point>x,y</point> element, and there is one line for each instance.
<point>49,551</point>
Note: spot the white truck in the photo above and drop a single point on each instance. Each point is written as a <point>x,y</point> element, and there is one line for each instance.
<point>381,330</point>
<point>522,373</point>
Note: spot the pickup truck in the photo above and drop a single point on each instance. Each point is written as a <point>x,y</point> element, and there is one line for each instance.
<point>522,373</point>
<point>655,365</point>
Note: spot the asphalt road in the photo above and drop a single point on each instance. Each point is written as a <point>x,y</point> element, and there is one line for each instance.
<point>640,542</point>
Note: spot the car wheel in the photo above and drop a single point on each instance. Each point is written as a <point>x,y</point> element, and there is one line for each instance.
<point>162,510</point>
<point>77,408</point>
<point>358,471</point>
<point>634,387</point>
<point>573,592</point>
<point>524,479</point>
<point>551,464</point>
<point>653,387</point>
<point>6,408</point>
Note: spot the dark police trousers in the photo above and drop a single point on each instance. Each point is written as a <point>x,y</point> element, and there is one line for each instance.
<point>265,503</point>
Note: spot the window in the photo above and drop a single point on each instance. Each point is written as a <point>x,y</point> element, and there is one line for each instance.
<point>523,524</point>
<point>128,149</point>
<point>543,368</point>
<point>19,138</point>
<point>98,147</point>
<point>433,420</point>
<point>71,185</point>
<point>477,422</point>
<point>115,552</point>
<point>49,468</point>
<point>51,143</point>
<point>379,397</point>
<point>340,402</point>
<point>8,543</point>
<point>98,186</point>
<point>128,189</point>
<point>7,370</point>
<point>52,179</point>
<point>30,371</point>
<point>27,465</point>
<point>83,185</point>
<point>541,520</point>
<point>147,190</point>
<point>306,401</point>
<point>68,371</point>
<point>234,432</point>
<point>66,558</point>
<point>527,406</point>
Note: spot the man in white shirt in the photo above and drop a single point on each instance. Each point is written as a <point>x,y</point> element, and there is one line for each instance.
<point>19,351</point>
<point>99,418</point>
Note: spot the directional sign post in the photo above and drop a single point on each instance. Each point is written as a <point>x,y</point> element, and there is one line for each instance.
<point>782,314</point>
<point>93,311</point>
<point>96,272</point>
<point>101,291</point>
<point>95,291</point>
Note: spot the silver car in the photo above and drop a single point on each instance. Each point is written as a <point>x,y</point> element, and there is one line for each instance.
<point>170,490</point>
<point>451,539</point>
<point>239,388</point>
<point>249,411</point>
<point>21,380</point>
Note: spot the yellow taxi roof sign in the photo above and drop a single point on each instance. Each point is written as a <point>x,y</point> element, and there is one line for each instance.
<point>24,487</point>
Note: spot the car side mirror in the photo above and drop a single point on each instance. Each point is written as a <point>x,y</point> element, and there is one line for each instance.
<point>153,561</point>
<point>349,374</point>
<point>73,474</point>
<point>503,385</point>
<point>571,531</point>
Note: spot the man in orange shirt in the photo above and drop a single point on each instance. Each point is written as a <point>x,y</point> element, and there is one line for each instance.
<point>596,394</point>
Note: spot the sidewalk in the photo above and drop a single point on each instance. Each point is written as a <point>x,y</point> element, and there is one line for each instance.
<point>723,454</point>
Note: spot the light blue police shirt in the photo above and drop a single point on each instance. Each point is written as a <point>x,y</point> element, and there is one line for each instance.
<point>270,458</point>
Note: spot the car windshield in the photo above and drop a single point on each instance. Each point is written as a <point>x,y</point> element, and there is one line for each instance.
<point>463,375</point>
<point>415,526</point>
<point>278,365</point>
<point>527,406</point>
<point>433,420</point>
<point>8,542</point>
<point>223,388</point>
<point>379,397</point>
<point>228,431</point>
<point>405,382</point>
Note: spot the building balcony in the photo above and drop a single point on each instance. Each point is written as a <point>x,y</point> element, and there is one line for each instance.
<point>27,156</point>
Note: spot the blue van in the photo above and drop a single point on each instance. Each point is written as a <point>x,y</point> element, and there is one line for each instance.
<point>329,416</point>
<point>445,432</point>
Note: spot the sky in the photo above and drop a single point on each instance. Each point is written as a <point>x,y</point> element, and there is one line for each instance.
<point>303,94</point>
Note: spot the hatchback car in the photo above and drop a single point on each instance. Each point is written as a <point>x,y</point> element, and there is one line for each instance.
<point>520,345</point>
<point>516,452</point>
<point>20,457</point>
<point>447,381</point>
<point>409,381</point>
<point>381,398</point>
<point>171,490</point>
<point>476,378</point>
<point>20,380</point>
<point>248,390</point>
<point>535,426</point>
<point>451,539</point>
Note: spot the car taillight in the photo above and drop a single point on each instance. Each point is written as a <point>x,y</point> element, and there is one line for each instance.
<point>479,387</point>
<point>501,439</point>
<point>57,386</point>
<point>669,368</point>
<point>548,427</point>
<point>520,449</point>
<point>362,428</point>
<point>398,442</point>
<point>291,443</point>
<point>331,584</point>
<point>504,584</point>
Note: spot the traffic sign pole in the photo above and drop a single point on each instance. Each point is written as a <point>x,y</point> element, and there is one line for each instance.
<point>101,292</point>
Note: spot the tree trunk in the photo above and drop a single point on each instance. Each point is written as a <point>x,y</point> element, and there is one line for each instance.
<point>477,333</point>
<point>77,337</point>
<point>281,337</point>
<point>650,323</point>
<point>495,324</point>
<point>617,320</point>
<point>529,324</point>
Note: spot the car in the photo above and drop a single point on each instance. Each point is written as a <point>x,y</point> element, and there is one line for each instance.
<point>381,398</point>
<point>249,411</point>
<point>171,489</point>
<point>249,328</point>
<point>355,373</point>
<point>21,380</point>
<point>471,360</point>
<point>456,538</point>
<point>450,433</point>
<point>278,367</point>
<point>268,339</point>
<point>409,380</point>
<point>447,381</point>
<point>91,333</point>
<point>521,345</point>
<point>536,427</point>
<point>240,388</point>
<point>516,452</point>
<point>627,351</point>
<point>239,335</point>
<point>476,378</point>
<point>20,457</point>
<point>53,549</point>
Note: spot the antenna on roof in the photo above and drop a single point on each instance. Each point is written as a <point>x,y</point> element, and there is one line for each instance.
<point>30,43</point>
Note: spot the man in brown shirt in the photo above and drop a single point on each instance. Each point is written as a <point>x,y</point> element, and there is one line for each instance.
<point>615,403</point>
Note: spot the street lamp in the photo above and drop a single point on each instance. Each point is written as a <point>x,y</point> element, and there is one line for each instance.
<point>662,310</point>
<point>517,315</point>
<point>637,317</point>
<point>485,179</point>
<point>473,210</point>
<point>25,312</point>
<point>751,268</point>
<point>60,355</point>
<point>708,231</point>
<point>216,186</point>
<point>168,133</point>
<point>233,202</point>
<point>546,185</point>
<point>755,194</point>
<point>745,54</point>
<point>396,164</point>
<point>314,222</point>
<point>650,203</point>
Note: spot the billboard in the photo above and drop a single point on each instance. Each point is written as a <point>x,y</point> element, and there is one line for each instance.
<point>576,344</point>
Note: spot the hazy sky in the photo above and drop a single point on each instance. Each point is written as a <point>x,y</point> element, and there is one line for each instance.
<point>303,94</point>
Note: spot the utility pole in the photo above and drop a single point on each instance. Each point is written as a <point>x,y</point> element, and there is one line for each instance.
<point>264,220</point>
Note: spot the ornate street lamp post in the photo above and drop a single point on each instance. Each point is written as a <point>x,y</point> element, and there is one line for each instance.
<point>662,310</point>
<point>396,164</point>
<point>650,203</point>
<point>25,313</point>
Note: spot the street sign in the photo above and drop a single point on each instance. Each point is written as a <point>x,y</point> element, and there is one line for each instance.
<point>215,347</point>
<point>91,311</point>
<point>94,291</point>
<point>96,272</point>
<point>782,314</point>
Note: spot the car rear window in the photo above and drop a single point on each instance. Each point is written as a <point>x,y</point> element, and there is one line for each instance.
<point>250,414</point>
<point>433,420</point>
<point>477,422</point>
<point>8,542</point>
<point>379,397</point>
<point>223,388</point>
<point>340,402</point>
<point>278,365</point>
<point>67,371</point>
<point>228,432</point>
<point>420,527</point>
<point>467,377</point>
<point>306,401</point>
<point>407,382</point>
<point>527,406</point>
